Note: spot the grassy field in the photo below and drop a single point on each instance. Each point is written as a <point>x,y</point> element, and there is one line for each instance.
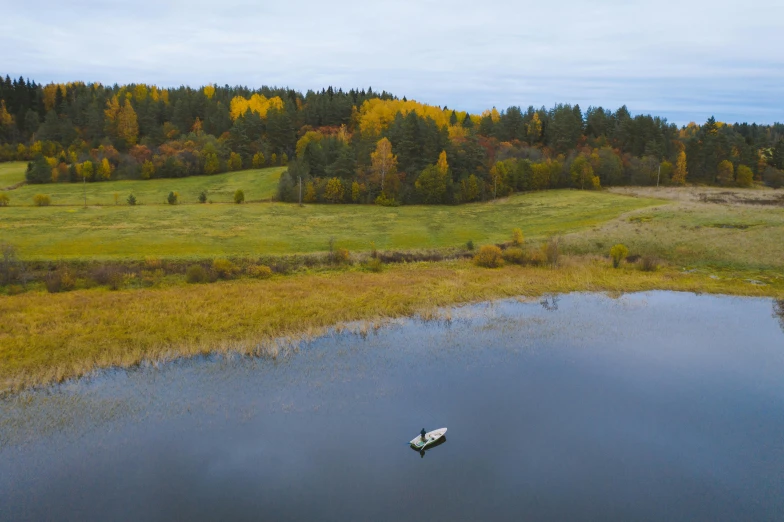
<point>708,245</point>
<point>193,231</point>
<point>12,173</point>
<point>694,234</point>
<point>258,185</point>
<point>50,337</point>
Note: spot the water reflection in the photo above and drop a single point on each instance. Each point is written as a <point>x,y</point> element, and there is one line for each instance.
<point>572,422</point>
<point>436,444</point>
<point>550,303</point>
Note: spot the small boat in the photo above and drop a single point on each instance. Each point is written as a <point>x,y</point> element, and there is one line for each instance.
<point>430,438</point>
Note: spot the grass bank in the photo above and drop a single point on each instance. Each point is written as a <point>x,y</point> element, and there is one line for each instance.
<point>49,337</point>
<point>257,184</point>
<point>198,231</point>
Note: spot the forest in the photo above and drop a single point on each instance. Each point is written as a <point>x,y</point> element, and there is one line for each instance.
<point>363,146</point>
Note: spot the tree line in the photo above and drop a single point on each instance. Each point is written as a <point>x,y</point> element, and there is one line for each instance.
<point>365,146</point>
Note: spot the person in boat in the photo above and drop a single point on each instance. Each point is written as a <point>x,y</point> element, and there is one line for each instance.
<point>422,434</point>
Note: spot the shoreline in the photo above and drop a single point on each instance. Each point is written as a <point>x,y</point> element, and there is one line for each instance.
<point>51,338</point>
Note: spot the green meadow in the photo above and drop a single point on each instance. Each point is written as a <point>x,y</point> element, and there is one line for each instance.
<point>209,230</point>
<point>257,184</point>
<point>12,173</point>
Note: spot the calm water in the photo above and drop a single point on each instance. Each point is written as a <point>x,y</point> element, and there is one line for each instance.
<point>655,406</point>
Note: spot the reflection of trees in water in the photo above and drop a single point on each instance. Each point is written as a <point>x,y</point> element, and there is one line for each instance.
<point>778,309</point>
<point>550,303</point>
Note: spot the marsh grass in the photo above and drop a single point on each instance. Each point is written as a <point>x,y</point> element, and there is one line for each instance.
<point>46,338</point>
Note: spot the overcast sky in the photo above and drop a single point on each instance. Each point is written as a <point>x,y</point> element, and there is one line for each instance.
<point>681,59</point>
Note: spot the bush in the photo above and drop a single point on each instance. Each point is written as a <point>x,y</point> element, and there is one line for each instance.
<point>224,268</point>
<point>152,263</point>
<point>42,200</point>
<point>108,275</point>
<point>551,251</point>
<point>470,245</point>
<point>618,253</point>
<point>536,257</point>
<point>341,255</point>
<point>384,201</point>
<point>239,197</point>
<point>9,264</point>
<point>4,199</point>
<point>517,237</point>
<point>131,200</point>
<point>744,176</point>
<point>172,198</point>
<point>374,264</point>
<point>773,177</point>
<point>203,196</point>
<point>260,271</point>
<point>649,264</point>
<point>489,256</point>
<point>514,255</point>
<point>59,280</point>
<point>196,274</point>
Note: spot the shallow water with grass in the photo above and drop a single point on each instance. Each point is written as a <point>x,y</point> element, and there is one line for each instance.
<point>650,406</point>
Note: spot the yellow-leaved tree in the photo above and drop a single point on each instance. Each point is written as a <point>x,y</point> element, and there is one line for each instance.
<point>679,174</point>
<point>443,166</point>
<point>534,130</point>
<point>257,103</point>
<point>334,190</point>
<point>110,115</point>
<point>127,124</point>
<point>105,169</point>
<point>382,162</point>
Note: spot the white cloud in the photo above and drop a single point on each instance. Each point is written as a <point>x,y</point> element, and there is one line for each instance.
<point>683,59</point>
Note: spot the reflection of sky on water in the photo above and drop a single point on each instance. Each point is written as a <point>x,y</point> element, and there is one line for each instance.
<point>588,407</point>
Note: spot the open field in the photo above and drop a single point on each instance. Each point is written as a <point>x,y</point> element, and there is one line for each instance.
<point>687,233</point>
<point>49,337</point>
<point>12,173</point>
<point>258,185</point>
<point>759,195</point>
<point>197,231</point>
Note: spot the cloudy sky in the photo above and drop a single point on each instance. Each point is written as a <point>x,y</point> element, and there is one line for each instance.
<point>682,59</point>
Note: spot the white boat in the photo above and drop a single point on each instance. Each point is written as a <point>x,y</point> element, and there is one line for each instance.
<point>430,438</point>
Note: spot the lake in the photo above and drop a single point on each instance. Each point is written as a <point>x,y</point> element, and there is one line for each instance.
<point>650,406</point>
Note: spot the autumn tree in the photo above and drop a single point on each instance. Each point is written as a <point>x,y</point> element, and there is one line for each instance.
<point>383,162</point>
<point>680,172</point>
<point>148,169</point>
<point>235,161</point>
<point>310,193</point>
<point>105,169</point>
<point>127,124</point>
<point>334,191</point>
<point>744,176</point>
<point>582,174</point>
<point>258,160</point>
<point>469,188</point>
<point>534,129</point>
<point>211,163</point>
<point>725,173</point>
<point>88,170</point>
